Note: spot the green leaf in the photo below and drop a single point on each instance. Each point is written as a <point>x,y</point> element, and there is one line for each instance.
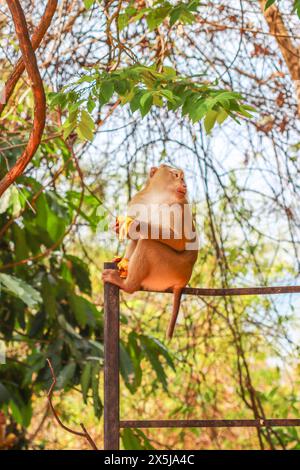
<point>4,394</point>
<point>80,273</point>
<point>78,305</point>
<point>87,120</point>
<point>123,21</point>
<point>221,116</point>
<point>121,86</point>
<point>16,412</point>
<point>88,3</point>
<point>15,201</point>
<point>84,311</point>
<point>10,199</point>
<point>198,110</point>
<point>168,94</point>
<point>156,16</point>
<point>107,90</point>
<point>5,200</point>
<point>296,7</point>
<point>67,327</point>
<point>98,407</point>
<point>84,132</point>
<point>58,99</point>
<point>157,346</point>
<point>269,3</point>
<point>187,17</point>
<point>20,289</point>
<point>20,407</point>
<point>145,97</point>
<point>48,292</point>
<point>68,129</point>
<point>244,112</point>
<point>175,15</point>
<point>20,242</point>
<point>36,324</point>
<point>169,71</point>
<point>193,5</point>
<point>91,105</point>
<point>135,102</point>
<point>210,120</point>
<point>85,380</point>
<point>135,352</point>
<point>66,375</point>
<point>146,103</point>
<point>50,220</point>
<point>153,357</point>
<point>126,366</point>
<point>131,440</point>
<point>55,226</point>
<point>135,439</point>
<point>85,129</point>
<point>144,441</point>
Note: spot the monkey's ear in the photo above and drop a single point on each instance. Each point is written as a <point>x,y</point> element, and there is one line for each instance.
<point>153,170</point>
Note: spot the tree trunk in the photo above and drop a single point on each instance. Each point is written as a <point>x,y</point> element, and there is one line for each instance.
<point>289,51</point>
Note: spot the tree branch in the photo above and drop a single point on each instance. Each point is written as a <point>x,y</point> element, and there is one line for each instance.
<point>38,94</point>
<point>36,40</point>
<point>289,51</point>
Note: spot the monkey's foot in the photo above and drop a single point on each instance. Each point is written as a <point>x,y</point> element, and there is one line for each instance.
<point>123,268</point>
<point>112,276</point>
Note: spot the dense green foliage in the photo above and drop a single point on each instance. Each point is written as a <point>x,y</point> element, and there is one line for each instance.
<point>46,303</point>
<point>143,87</point>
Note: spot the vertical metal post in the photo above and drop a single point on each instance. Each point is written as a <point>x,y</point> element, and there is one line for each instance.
<point>111,364</point>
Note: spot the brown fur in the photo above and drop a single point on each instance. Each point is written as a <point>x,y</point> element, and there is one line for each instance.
<point>158,264</point>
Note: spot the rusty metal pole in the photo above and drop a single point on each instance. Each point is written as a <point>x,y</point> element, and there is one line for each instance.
<point>112,423</point>
<point>111,364</point>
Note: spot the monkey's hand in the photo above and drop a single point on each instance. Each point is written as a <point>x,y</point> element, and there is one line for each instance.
<point>122,226</point>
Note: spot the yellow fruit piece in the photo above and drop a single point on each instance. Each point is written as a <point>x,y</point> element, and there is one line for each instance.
<point>124,224</point>
<point>123,268</point>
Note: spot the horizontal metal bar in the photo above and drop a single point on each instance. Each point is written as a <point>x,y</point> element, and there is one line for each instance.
<point>236,291</point>
<point>220,292</point>
<point>209,423</point>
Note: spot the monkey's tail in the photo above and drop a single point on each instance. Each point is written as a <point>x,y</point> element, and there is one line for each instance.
<point>176,305</point>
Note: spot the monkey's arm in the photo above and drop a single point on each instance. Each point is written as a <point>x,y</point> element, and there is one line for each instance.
<point>166,235</point>
<point>135,230</point>
<point>144,231</point>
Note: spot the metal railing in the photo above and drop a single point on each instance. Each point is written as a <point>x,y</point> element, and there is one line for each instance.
<point>112,422</point>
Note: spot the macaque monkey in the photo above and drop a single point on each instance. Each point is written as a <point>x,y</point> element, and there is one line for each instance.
<point>163,245</point>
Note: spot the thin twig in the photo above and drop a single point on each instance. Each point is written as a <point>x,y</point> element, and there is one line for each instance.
<point>85,433</point>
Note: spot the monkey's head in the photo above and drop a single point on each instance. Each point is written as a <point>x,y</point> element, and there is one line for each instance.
<point>169,179</point>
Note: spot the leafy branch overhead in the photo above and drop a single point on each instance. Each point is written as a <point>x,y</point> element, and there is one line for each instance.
<point>183,12</point>
<point>143,88</point>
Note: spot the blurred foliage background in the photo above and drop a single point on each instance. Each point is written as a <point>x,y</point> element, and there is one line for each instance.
<point>131,85</point>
